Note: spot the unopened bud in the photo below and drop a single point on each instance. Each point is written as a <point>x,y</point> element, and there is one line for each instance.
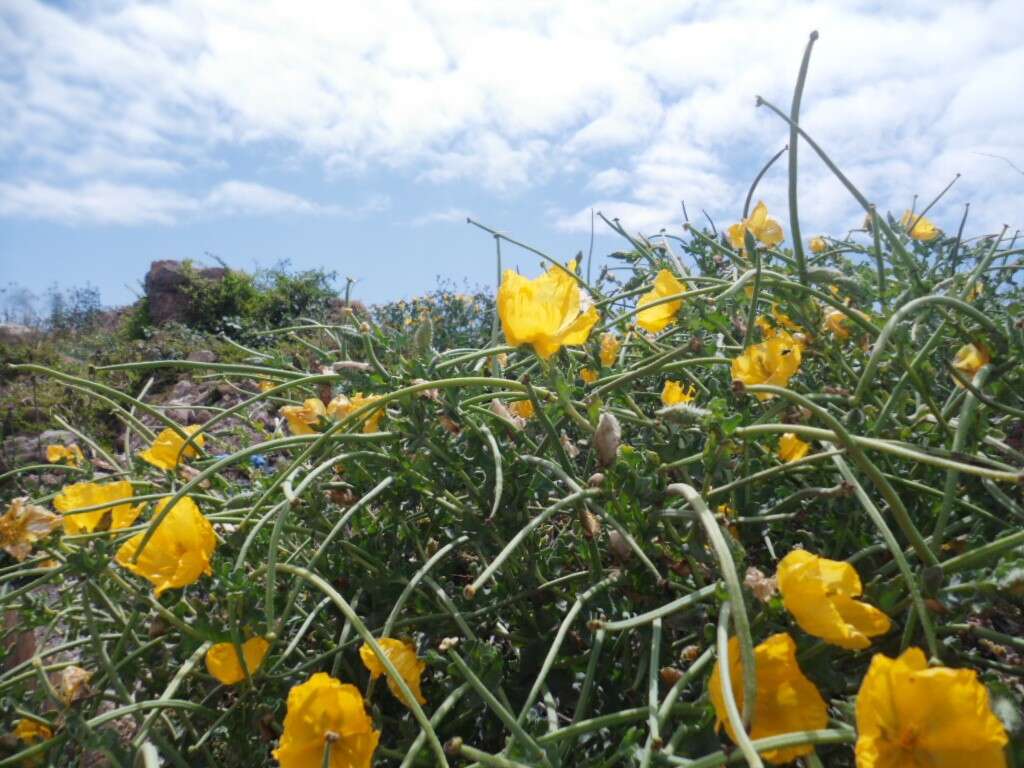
<point>619,546</point>
<point>596,480</point>
<point>607,438</point>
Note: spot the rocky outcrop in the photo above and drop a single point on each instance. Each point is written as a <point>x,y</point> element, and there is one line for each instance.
<point>12,333</point>
<point>165,285</point>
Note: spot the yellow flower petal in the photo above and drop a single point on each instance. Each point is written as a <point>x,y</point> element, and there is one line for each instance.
<point>835,321</point>
<point>589,375</point>
<point>302,418</point>
<point>544,312</point>
<point>792,448</point>
<point>71,454</point>
<point>82,495</point>
<point>911,715</point>
<point>820,593</point>
<point>166,452</point>
<point>610,346</point>
<point>786,700</point>
<point>73,684</point>
<point>818,245</point>
<point>403,656</point>
<point>23,524</point>
<point>341,406</point>
<point>322,709</point>
<point>178,553</point>
<point>762,226</point>
<point>773,361</point>
<point>923,229</point>
<point>673,393</point>
<point>656,318</point>
<point>222,659</point>
<point>522,408</point>
<point>970,359</point>
<point>31,731</point>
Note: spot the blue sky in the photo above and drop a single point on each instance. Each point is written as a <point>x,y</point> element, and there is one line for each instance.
<point>357,137</point>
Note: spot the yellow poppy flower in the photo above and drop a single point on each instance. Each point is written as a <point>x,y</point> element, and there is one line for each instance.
<point>589,375</point>
<point>31,731</point>
<point>673,393</point>
<point>792,448</point>
<point>763,227</point>
<point>266,386</point>
<point>324,710</point>
<point>544,312</point>
<point>773,361</point>
<point>818,245</point>
<point>22,525</point>
<point>178,553</point>
<point>522,408</point>
<point>923,229</point>
<point>69,454</point>
<point>820,594</point>
<point>835,321</point>
<point>658,317</point>
<point>166,451</point>
<point>786,700</point>
<point>970,359</point>
<point>223,663</point>
<point>403,656</point>
<point>81,495</point>
<point>610,346</point>
<point>911,715</point>
<point>302,418</point>
<point>342,406</point>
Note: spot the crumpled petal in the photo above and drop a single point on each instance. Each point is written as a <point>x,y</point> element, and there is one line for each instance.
<point>656,318</point>
<point>222,659</point>
<point>820,594</point>
<point>82,495</point>
<point>167,452</point>
<point>403,656</point>
<point>911,715</point>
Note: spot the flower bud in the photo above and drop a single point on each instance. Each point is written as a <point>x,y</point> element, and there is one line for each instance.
<point>607,438</point>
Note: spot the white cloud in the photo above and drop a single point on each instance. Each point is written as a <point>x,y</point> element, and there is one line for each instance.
<point>636,105</point>
<point>447,216</point>
<point>128,204</point>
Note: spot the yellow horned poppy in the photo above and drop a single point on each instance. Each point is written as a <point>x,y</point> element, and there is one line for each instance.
<point>222,659</point>
<point>82,495</point>
<point>773,361</point>
<point>31,731</point>
<point>323,711</point>
<point>922,228</point>
<point>818,245</point>
<point>763,227</point>
<point>22,525</point>
<point>792,448</point>
<point>610,346</point>
<point>835,321</point>
<point>786,700</point>
<point>403,656</point>
<point>589,375</point>
<point>545,312</point>
<point>911,715</point>
<point>656,318</point>
<point>179,551</point>
<point>970,359</point>
<point>302,418</point>
<point>166,451</point>
<point>342,406</point>
<point>673,393</point>
<point>820,594</point>
<point>523,408</point>
<point>69,454</point>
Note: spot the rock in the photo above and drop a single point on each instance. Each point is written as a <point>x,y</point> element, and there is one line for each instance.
<point>165,289</point>
<point>202,356</point>
<point>31,449</point>
<point>12,333</point>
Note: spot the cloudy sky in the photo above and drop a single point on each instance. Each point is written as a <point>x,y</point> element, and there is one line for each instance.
<point>358,136</point>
